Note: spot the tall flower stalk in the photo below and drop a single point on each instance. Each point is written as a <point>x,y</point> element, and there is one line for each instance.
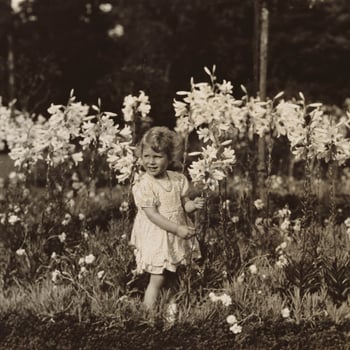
<point>205,110</point>
<point>135,112</point>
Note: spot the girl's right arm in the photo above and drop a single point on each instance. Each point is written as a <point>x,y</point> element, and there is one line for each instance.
<point>182,231</point>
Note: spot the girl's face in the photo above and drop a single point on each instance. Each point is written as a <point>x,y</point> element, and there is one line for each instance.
<point>155,163</point>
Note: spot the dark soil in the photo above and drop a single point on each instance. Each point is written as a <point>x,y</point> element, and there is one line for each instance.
<point>30,332</point>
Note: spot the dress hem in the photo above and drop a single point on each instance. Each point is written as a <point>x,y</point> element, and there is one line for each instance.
<point>142,266</point>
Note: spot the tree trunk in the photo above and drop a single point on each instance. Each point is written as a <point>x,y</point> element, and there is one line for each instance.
<point>256,48</point>
<point>264,31</point>
<point>10,68</point>
<point>264,36</point>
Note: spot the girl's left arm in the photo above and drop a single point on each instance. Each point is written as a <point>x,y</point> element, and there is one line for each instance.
<point>192,205</point>
<point>188,204</point>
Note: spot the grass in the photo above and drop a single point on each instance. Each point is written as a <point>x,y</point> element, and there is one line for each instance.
<point>67,319</point>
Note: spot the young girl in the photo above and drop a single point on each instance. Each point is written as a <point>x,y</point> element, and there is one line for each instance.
<point>162,235</point>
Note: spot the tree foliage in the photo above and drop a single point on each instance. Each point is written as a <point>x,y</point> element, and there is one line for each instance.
<point>59,46</point>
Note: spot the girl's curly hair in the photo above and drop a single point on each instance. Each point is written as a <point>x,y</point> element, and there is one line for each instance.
<point>162,139</point>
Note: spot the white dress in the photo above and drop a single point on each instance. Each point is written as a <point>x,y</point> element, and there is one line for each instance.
<point>155,248</point>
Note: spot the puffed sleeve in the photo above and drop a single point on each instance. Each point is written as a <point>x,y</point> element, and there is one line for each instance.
<point>144,195</point>
<point>184,185</point>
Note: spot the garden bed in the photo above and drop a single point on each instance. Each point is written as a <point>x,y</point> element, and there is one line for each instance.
<point>30,332</point>
<point>274,266</point>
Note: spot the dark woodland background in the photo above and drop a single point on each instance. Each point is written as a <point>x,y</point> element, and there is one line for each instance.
<point>59,45</point>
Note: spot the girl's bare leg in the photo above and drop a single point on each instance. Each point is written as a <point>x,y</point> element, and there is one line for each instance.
<point>153,289</point>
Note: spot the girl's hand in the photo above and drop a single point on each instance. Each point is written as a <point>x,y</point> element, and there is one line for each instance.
<point>199,202</point>
<point>185,232</point>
